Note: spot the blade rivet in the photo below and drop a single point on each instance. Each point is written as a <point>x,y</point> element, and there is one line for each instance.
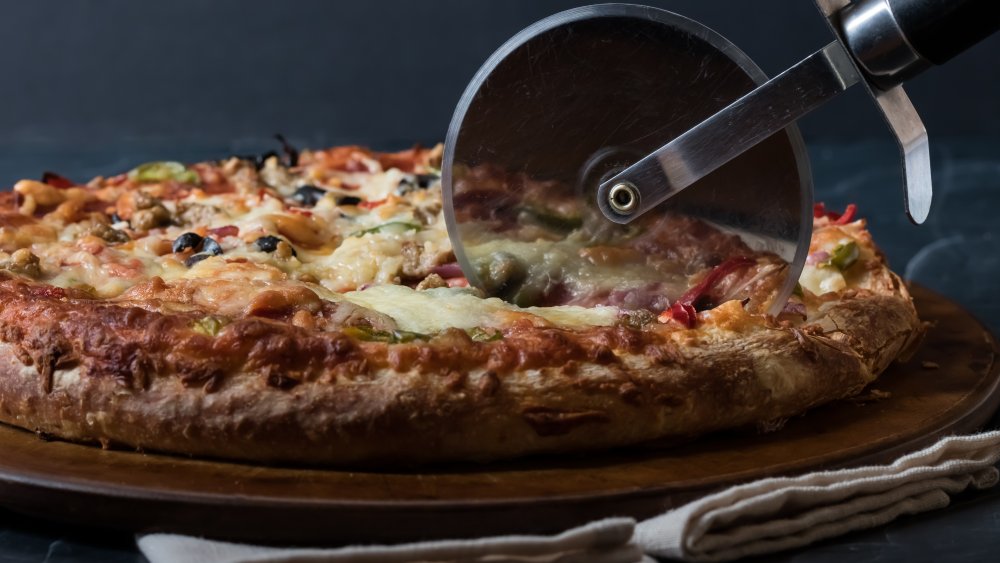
<point>623,198</point>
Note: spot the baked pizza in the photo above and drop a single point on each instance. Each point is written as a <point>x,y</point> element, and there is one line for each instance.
<point>306,307</point>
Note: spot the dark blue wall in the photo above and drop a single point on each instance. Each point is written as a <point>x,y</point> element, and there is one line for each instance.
<point>382,72</point>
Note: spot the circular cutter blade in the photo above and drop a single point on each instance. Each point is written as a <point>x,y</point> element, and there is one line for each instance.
<point>576,98</point>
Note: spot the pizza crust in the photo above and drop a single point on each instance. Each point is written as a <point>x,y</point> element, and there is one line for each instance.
<point>736,372</point>
<point>258,345</point>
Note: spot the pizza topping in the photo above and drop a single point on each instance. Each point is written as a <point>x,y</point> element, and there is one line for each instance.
<point>57,181</point>
<point>387,239</point>
<point>682,313</point>
<point>39,194</point>
<point>209,247</point>
<point>253,317</point>
<point>848,215</point>
<point>149,214</point>
<point>816,258</point>
<point>283,300</point>
<point>186,241</point>
<point>223,232</point>
<point>636,318</point>
<point>271,243</point>
<point>309,195</point>
<point>698,294</point>
<point>109,234</point>
<point>413,182</point>
<point>24,262</point>
<point>209,325</point>
<point>194,214</point>
<point>503,271</point>
<point>276,176</point>
<point>394,227</point>
<point>267,243</point>
<point>347,200</point>
<point>820,280</point>
<point>300,229</point>
<point>260,160</point>
<point>845,255</point>
<point>795,308</point>
<point>820,211</point>
<point>204,245</point>
<point>824,270</point>
<point>550,219</point>
<point>372,204</point>
<point>449,270</point>
<point>480,334</point>
<point>163,171</point>
<point>369,334</point>
<point>284,251</point>
<point>195,258</point>
<point>835,250</point>
<point>412,266</point>
<point>685,309</point>
<point>466,309</point>
<point>430,282</point>
<point>425,181</point>
<point>291,153</point>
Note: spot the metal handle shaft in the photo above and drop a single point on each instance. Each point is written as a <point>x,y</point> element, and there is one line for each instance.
<point>725,135</point>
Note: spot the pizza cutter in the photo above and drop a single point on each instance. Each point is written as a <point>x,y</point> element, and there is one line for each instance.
<point>613,154</point>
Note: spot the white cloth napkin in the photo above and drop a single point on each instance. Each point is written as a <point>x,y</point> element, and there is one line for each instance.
<point>604,541</point>
<point>785,512</point>
<point>760,517</point>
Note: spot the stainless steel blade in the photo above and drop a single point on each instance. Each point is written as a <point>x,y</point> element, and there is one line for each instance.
<point>715,141</point>
<point>572,101</point>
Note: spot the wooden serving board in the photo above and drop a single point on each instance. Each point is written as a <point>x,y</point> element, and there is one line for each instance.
<point>144,492</point>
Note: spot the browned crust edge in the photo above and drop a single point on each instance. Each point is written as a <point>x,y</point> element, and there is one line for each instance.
<point>124,375</point>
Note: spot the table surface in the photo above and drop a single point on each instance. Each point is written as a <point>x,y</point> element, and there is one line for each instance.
<point>957,253</point>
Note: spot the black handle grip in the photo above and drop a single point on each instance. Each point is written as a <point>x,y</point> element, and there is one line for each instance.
<point>941,29</point>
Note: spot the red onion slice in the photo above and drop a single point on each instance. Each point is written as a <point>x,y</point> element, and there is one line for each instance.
<point>817,257</point>
<point>450,270</point>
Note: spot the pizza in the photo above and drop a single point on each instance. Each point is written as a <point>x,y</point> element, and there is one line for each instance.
<point>306,307</point>
<point>539,242</point>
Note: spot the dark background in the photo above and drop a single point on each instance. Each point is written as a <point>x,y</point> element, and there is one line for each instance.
<point>227,74</point>
<point>90,87</point>
<point>95,87</point>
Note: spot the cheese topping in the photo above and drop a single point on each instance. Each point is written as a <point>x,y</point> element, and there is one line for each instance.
<point>341,230</point>
<point>433,310</point>
<point>834,264</point>
<point>342,226</point>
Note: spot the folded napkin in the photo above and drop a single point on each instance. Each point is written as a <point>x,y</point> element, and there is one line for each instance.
<point>604,541</point>
<point>760,517</point>
<point>781,513</point>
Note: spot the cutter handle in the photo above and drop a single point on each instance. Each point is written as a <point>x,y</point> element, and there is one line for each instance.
<point>894,40</point>
<point>941,29</point>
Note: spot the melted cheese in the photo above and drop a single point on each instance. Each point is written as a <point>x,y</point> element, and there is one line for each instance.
<point>338,249</point>
<point>820,280</point>
<point>433,310</point>
<point>549,260</point>
<point>825,278</point>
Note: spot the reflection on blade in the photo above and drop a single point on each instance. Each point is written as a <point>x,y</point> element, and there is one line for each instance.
<point>571,102</point>
<point>537,243</point>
